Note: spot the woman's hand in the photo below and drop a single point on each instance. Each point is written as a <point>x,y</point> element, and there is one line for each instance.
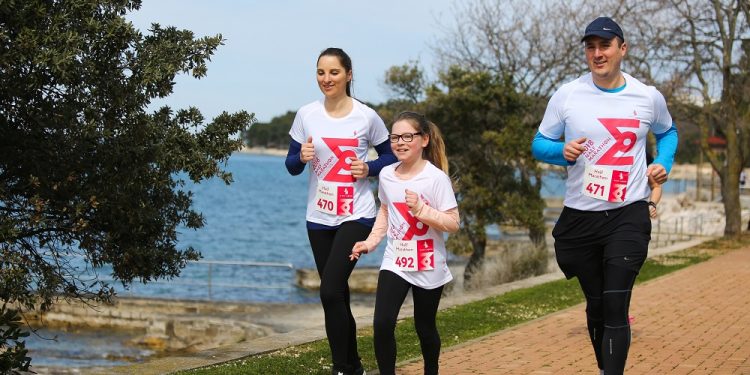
<point>307,151</point>
<point>359,169</point>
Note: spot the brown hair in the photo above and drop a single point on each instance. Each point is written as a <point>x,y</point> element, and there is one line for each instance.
<point>435,150</point>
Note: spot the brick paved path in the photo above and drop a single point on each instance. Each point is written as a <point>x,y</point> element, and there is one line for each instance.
<point>694,321</point>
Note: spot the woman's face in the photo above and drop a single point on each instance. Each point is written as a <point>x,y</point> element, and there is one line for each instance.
<point>407,151</point>
<point>332,76</point>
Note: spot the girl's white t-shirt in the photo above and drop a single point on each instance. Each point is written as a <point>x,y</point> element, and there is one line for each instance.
<point>334,196</point>
<point>611,173</point>
<point>434,188</point>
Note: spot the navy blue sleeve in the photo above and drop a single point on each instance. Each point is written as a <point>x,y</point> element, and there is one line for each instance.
<point>385,157</point>
<point>548,150</point>
<point>294,165</point>
<point>666,147</point>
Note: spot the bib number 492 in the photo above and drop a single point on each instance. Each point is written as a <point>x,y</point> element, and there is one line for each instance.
<point>405,262</point>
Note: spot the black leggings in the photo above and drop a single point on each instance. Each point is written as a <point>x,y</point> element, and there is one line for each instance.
<point>331,249</point>
<point>605,251</point>
<point>390,296</point>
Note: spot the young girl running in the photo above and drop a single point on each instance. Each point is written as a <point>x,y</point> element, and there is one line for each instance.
<point>417,206</point>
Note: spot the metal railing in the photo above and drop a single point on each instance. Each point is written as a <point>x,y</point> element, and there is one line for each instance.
<point>209,279</point>
<point>665,232</point>
<point>212,263</point>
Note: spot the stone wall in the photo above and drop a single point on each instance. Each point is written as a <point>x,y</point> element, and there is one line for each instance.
<point>163,324</point>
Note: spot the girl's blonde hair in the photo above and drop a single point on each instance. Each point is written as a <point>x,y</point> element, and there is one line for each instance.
<point>435,150</point>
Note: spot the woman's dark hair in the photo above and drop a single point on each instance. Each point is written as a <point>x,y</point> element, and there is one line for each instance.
<point>435,150</point>
<point>344,60</point>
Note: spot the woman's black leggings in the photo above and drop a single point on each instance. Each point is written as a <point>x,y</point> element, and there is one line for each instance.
<point>391,293</point>
<point>331,249</point>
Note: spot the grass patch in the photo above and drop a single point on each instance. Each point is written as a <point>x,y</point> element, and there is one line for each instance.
<point>463,323</point>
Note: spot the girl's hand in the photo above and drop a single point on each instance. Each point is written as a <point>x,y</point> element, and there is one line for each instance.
<point>358,249</point>
<point>307,152</point>
<point>359,169</point>
<point>413,201</point>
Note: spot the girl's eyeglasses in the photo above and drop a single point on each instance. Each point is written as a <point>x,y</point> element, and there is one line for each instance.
<point>407,137</point>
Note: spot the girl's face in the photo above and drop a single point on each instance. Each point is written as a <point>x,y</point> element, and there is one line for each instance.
<point>332,76</point>
<point>410,151</point>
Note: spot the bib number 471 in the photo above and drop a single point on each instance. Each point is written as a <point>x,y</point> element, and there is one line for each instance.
<point>595,189</point>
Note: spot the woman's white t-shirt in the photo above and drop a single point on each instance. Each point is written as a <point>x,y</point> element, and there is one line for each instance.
<point>334,196</point>
<point>434,188</point>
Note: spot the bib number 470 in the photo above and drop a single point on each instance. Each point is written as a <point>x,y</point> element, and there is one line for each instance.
<point>325,204</point>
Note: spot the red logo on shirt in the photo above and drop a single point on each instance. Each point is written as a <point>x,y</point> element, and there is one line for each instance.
<point>414,224</point>
<point>624,141</point>
<point>335,145</point>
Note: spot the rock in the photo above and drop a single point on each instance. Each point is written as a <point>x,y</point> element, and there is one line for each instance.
<point>362,280</point>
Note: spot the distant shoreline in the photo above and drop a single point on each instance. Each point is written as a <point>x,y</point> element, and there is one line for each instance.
<point>263,151</point>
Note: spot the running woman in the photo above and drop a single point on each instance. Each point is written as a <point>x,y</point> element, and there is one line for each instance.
<point>417,206</point>
<point>333,136</point>
<point>596,126</point>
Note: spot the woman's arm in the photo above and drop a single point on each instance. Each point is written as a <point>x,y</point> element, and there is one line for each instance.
<point>385,157</point>
<point>293,163</point>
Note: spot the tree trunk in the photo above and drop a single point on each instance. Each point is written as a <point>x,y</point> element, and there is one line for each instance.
<point>478,238</point>
<point>730,189</point>
<point>538,236</point>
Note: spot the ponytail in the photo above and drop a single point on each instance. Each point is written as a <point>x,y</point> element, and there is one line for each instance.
<point>435,150</point>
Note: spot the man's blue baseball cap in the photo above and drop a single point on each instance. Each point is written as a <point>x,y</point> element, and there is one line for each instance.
<point>603,27</point>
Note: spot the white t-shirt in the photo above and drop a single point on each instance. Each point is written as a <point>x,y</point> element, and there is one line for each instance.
<point>611,173</point>
<point>330,199</point>
<point>434,187</point>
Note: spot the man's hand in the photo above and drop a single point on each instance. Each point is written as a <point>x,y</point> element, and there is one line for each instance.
<point>574,149</point>
<point>657,172</point>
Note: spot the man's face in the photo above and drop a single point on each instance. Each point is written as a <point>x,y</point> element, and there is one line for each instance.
<point>604,56</point>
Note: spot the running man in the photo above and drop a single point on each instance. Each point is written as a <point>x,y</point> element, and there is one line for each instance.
<point>596,126</point>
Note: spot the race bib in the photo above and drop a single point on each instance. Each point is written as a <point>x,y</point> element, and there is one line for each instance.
<point>414,255</point>
<point>334,199</point>
<point>605,184</point>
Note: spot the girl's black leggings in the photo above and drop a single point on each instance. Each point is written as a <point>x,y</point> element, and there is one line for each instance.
<point>391,293</point>
<point>331,249</point>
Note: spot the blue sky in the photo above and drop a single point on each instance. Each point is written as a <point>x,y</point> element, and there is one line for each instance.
<point>267,65</point>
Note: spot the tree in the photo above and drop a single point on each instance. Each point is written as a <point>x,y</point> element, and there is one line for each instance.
<point>273,134</point>
<point>486,134</point>
<point>406,81</point>
<point>703,42</point>
<point>688,49</point>
<point>87,176</point>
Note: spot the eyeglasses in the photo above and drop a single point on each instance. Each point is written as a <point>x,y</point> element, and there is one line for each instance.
<point>407,137</point>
